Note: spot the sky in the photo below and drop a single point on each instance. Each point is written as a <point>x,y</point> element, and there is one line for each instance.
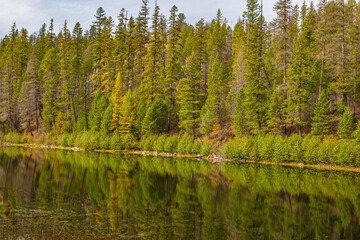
<point>31,14</point>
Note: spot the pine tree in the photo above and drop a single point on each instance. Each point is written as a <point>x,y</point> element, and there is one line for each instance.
<point>188,92</point>
<point>142,38</point>
<point>49,72</point>
<point>173,65</point>
<point>215,103</point>
<point>321,119</point>
<point>97,51</point>
<point>155,118</point>
<point>127,119</point>
<point>97,110</point>
<point>254,77</point>
<point>301,73</point>
<point>282,36</point>
<point>150,87</point>
<point>129,67</point>
<point>277,110</point>
<point>105,126</point>
<point>116,97</point>
<point>346,123</point>
<point>239,120</point>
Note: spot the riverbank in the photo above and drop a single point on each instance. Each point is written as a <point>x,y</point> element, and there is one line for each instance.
<point>212,158</point>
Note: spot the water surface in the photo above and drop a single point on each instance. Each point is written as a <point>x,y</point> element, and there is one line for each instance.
<point>84,195</point>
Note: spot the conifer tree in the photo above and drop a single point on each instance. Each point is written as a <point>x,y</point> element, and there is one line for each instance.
<point>346,123</point>
<point>188,92</point>
<point>127,119</point>
<point>155,118</point>
<point>49,72</point>
<point>129,67</point>
<point>116,97</point>
<point>214,107</point>
<point>301,73</point>
<point>277,110</point>
<point>97,51</point>
<point>254,77</point>
<point>98,107</point>
<point>321,119</point>
<point>105,126</point>
<point>239,120</point>
<point>142,38</point>
<point>282,37</point>
<point>150,87</point>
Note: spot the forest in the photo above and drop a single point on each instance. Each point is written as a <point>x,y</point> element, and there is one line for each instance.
<point>146,75</point>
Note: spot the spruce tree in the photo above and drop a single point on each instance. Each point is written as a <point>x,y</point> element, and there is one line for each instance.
<point>321,120</point>
<point>188,93</point>
<point>301,73</point>
<point>214,107</point>
<point>116,99</point>
<point>150,86</point>
<point>127,119</point>
<point>346,124</point>
<point>239,120</point>
<point>49,72</point>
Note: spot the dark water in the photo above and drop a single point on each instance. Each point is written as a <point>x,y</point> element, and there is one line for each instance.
<point>66,195</point>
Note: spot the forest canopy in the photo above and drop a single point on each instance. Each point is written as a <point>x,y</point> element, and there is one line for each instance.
<point>147,74</point>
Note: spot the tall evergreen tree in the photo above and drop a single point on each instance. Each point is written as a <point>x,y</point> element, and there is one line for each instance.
<point>188,92</point>
<point>321,119</point>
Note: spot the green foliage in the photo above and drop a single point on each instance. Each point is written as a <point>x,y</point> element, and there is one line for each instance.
<point>310,150</point>
<point>170,144</point>
<point>159,143</point>
<point>321,120</point>
<point>206,149</point>
<point>185,144</point>
<point>105,125</point>
<point>98,108</point>
<point>346,123</point>
<point>116,142</point>
<point>147,142</point>
<point>239,121</point>
<point>155,118</point>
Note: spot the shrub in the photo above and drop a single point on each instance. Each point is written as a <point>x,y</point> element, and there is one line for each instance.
<point>115,142</point>
<point>170,144</point>
<point>129,142</point>
<point>206,149</point>
<point>159,143</point>
<point>104,141</point>
<point>185,144</point>
<point>345,124</point>
<point>147,142</point>
<point>196,147</point>
<point>62,140</point>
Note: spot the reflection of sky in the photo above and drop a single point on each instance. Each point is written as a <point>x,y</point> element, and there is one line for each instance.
<point>31,14</point>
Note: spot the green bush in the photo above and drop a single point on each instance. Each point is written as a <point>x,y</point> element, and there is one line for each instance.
<point>104,141</point>
<point>129,142</point>
<point>196,147</point>
<point>206,149</point>
<point>185,144</point>
<point>159,143</point>
<point>266,147</point>
<point>170,144</point>
<point>116,143</point>
<point>71,140</point>
<point>62,140</point>
<point>147,142</point>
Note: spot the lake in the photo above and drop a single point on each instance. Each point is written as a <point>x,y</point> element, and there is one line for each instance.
<point>57,194</point>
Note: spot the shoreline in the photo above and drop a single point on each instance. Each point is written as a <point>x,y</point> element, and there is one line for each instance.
<point>213,159</point>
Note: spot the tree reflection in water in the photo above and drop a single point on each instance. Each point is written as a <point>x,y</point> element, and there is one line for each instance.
<point>86,195</point>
